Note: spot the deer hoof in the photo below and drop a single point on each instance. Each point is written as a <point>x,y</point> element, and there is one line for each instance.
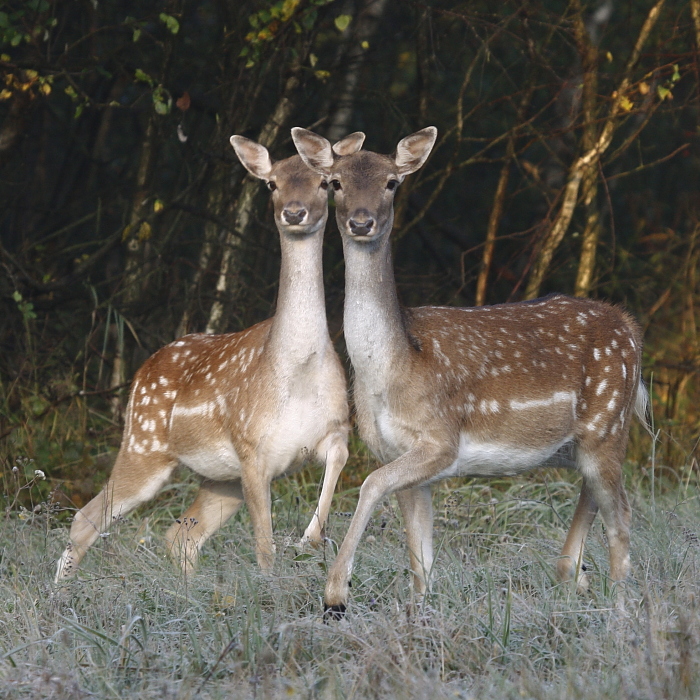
<point>333,613</point>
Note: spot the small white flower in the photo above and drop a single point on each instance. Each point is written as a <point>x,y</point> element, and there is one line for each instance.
<point>39,474</point>
<point>15,470</point>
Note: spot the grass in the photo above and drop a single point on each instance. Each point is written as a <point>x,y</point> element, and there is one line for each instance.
<point>497,625</point>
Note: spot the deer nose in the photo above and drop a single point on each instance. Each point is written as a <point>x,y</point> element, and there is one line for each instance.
<point>293,215</point>
<point>361,224</point>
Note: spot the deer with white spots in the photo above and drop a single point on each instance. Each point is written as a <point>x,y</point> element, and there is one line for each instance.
<point>490,391</point>
<point>239,409</point>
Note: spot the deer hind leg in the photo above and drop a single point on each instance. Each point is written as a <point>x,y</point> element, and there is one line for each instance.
<point>417,509</point>
<point>602,473</point>
<point>336,450</point>
<point>571,561</point>
<point>256,491</point>
<point>132,482</point>
<point>216,502</point>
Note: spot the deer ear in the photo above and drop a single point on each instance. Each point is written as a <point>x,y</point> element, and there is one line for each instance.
<point>314,150</point>
<point>352,143</point>
<point>254,157</point>
<point>413,151</point>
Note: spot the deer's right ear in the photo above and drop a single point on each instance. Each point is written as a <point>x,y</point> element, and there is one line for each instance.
<point>352,143</point>
<point>314,150</point>
<point>254,157</point>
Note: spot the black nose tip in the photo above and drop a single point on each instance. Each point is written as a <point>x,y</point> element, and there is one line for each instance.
<point>293,216</point>
<point>361,228</point>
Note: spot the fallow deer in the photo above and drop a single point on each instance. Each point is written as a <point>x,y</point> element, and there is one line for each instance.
<point>488,391</point>
<point>239,409</point>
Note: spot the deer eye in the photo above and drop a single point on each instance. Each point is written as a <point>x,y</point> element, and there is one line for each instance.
<point>324,185</point>
<point>336,185</point>
<point>392,184</point>
<point>271,186</point>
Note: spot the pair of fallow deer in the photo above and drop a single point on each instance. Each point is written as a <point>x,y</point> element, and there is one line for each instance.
<point>439,391</point>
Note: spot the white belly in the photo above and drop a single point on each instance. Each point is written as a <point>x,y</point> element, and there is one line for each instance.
<point>214,460</point>
<point>490,459</point>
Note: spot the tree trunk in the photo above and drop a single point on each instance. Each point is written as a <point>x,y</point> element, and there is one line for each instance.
<point>228,281</point>
<point>498,204</point>
<point>589,159</point>
<point>136,233</point>
<point>591,232</point>
<point>367,22</point>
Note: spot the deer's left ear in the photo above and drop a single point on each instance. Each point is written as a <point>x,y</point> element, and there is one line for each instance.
<point>352,143</point>
<point>254,157</point>
<point>314,150</point>
<point>413,151</point>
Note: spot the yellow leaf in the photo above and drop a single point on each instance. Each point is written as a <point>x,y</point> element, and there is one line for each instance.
<point>365,45</point>
<point>126,232</point>
<point>342,22</point>
<point>31,74</point>
<point>158,206</point>
<point>288,9</point>
<point>4,58</point>
<point>145,231</point>
<point>313,59</point>
<point>643,88</point>
<point>46,89</point>
<point>5,94</point>
<point>609,56</point>
<point>322,74</point>
<point>626,104</point>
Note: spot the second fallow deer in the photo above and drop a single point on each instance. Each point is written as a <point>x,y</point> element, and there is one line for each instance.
<point>489,391</point>
<point>239,409</point>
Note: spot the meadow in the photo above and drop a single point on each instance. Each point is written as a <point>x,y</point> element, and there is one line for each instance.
<point>497,624</point>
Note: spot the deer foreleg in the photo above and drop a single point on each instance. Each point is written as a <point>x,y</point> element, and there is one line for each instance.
<point>336,456</point>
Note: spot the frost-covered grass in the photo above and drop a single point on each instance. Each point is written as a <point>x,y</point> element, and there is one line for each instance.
<point>497,625</point>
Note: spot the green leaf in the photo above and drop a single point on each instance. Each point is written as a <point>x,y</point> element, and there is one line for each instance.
<point>308,19</point>
<point>3,20</point>
<point>79,110</point>
<point>662,92</point>
<point>342,22</point>
<point>170,22</point>
<point>136,35</point>
<point>143,77</point>
<point>162,101</point>
<point>17,296</point>
<point>676,74</point>
<point>38,5</point>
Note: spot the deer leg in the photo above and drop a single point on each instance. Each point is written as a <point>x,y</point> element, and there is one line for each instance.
<point>215,504</point>
<point>126,489</point>
<point>569,564</point>
<point>417,508</point>
<point>417,466</point>
<point>256,491</point>
<point>336,451</point>
<point>603,475</point>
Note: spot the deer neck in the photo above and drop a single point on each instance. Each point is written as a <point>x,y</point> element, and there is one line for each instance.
<point>375,332</point>
<point>299,327</point>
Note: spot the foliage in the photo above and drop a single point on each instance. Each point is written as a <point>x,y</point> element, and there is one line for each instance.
<point>120,194</point>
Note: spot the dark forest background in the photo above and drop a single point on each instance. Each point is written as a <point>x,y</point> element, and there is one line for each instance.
<point>568,159</point>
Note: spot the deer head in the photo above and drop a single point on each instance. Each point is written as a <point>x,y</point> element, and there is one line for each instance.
<point>364,183</point>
